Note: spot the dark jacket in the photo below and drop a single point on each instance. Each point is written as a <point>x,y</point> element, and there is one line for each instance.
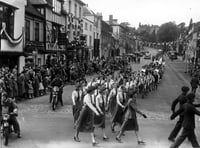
<point>189,111</point>
<point>194,82</point>
<point>181,99</point>
<point>56,82</point>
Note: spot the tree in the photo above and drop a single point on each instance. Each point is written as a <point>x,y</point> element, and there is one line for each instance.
<point>168,32</point>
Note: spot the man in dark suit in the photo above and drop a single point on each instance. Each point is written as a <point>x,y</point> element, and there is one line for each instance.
<point>189,111</point>
<point>181,99</point>
<point>194,83</point>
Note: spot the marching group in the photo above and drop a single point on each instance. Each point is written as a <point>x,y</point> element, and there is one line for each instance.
<point>116,95</point>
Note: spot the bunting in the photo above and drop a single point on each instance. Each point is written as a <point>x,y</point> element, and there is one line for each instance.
<point>10,39</point>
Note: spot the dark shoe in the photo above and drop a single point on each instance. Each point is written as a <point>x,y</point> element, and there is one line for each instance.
<point>118,139</point>
<point>105,138</point>
<point>113,129</point>
<point>95,143</point>
<point>170,139</point>
<point>123,134</point>
<point>141,142</point>
<point>19,135</point>
<point>76,139</point>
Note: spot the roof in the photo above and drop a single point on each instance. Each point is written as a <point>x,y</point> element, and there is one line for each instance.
<point>87,11</point>
<point>31,10</point>
<point>38,2</point>
<point>41,2</point>
<point>9,5</point>
<point>80,2</point>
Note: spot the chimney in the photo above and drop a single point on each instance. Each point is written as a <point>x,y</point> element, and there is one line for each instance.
<point>110,19</point>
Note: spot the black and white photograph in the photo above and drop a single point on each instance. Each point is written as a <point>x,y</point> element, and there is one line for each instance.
<point>99,73</point>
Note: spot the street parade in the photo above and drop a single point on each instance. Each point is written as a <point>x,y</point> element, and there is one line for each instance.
<point>110,74</point>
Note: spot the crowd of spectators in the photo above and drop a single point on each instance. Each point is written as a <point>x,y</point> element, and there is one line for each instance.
<point>33,82</point>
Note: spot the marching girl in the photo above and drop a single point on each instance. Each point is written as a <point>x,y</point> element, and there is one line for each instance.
<point>77,101</point>
<point>85,121</point>
<point>99,121</point>
<point>112,101</point>
<point>130,122</point>
<point>117,117</point>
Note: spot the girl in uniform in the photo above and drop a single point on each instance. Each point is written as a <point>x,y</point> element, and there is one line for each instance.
<point>112,103</point>
<point>99,121</point>
<point>85,121</point>
<point>77,101</point>
<point>120,105</point>
<point>130,120</point>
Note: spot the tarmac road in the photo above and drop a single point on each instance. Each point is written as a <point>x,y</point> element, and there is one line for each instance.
<point>43,128</point>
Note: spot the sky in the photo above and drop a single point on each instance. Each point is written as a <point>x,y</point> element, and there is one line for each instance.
<point>152,12</point>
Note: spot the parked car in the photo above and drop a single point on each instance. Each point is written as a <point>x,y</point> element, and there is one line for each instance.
<point>173,55</point>
<point>147,55</point>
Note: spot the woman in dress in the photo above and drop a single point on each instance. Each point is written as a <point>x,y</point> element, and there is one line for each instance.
<point>77,101</point>
<point>130,120</point>
<point>85,121</point>
<point>117,117</point>
<point>112,103</point>
<point>99,121</point>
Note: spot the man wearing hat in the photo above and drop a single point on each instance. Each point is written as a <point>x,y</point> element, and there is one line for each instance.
<point>181,99</point>
<point>188,110</point>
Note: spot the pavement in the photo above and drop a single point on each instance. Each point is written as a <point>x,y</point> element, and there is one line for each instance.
<point>43,128</point>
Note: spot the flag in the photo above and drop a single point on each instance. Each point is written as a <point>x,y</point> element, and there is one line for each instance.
<point>190,26</point>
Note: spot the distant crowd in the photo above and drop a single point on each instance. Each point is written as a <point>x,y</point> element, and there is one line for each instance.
<point>33,82</point>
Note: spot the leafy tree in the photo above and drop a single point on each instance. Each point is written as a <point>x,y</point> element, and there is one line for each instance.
<point>168,32</point>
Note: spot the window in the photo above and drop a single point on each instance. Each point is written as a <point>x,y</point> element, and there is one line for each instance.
<point>80,12</point>
<point>37,28</point>
<point>86,26</point>
<point>75,10</point>
<point>70,6</point>
<point>7,16</point>
<point>27,30</point>
<point>97,35</point>
<point>90,40</point>
<point>57,6</point>
<point>41,10</point>
<point>90,27</point>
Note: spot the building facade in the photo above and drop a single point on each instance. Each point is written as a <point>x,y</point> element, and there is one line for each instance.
<point>34,48</point>
<point>92,31</point>
<point>74,27</point>
<point>12,14</point>
<point>107,40</point>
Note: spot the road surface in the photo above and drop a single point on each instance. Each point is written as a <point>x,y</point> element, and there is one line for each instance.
<point>43,128</point>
